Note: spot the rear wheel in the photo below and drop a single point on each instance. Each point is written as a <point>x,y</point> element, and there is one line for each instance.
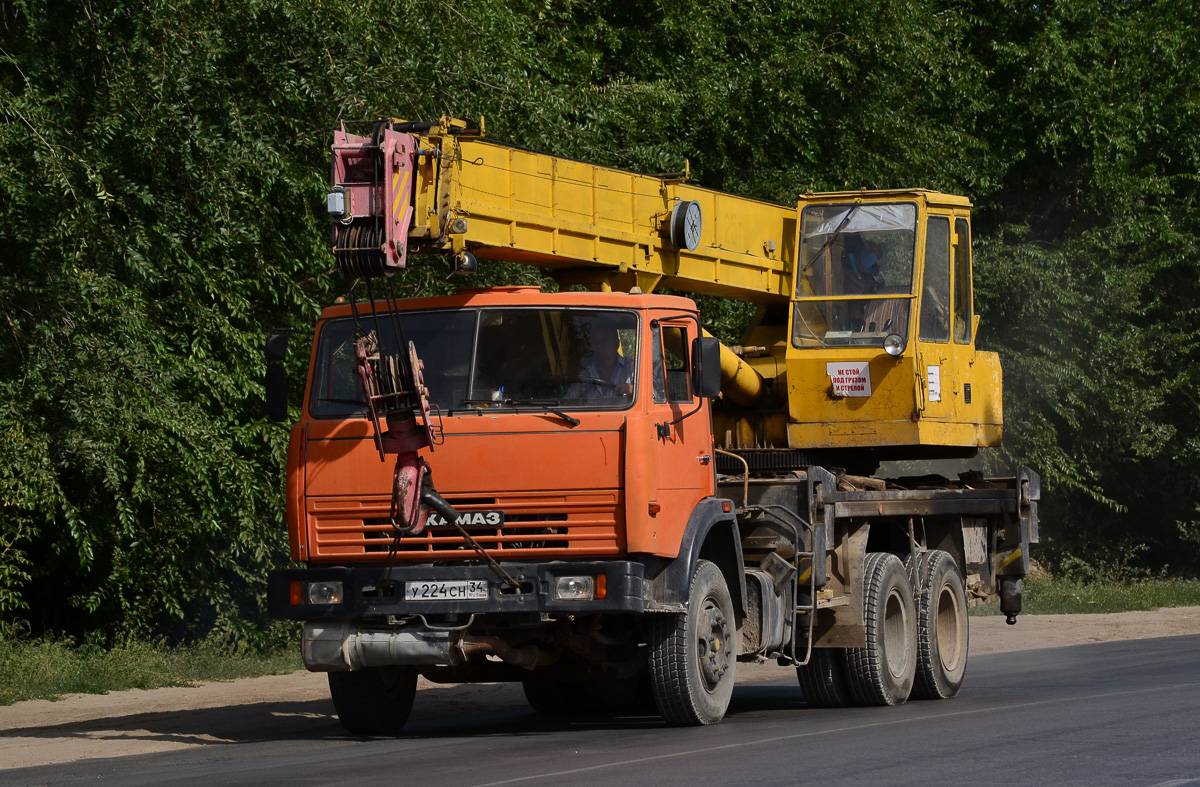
<point>882,673</point>
<point>823,679</point>
<point>942,627</point>
<point>693,656</point>
<point>374,701</point>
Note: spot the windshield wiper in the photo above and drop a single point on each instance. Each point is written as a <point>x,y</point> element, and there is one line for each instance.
<point>548,406</point>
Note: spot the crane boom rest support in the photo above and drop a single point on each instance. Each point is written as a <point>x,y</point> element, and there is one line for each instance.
<point>622,497</point>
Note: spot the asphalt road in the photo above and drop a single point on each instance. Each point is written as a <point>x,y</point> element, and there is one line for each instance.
<point>1106,713</point>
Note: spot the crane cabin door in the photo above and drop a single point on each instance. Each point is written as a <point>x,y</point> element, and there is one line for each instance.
<point>684,442</point>
<point>945,323</point>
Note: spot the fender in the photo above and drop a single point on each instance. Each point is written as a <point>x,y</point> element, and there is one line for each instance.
<point>712,534</point>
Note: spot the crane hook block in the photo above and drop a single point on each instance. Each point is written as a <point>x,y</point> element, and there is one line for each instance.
<point>371,201</point>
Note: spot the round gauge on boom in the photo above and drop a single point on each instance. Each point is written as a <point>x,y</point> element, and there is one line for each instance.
<point>686,223</point>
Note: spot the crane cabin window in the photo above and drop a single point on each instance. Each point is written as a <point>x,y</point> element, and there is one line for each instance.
<point>855,285</point>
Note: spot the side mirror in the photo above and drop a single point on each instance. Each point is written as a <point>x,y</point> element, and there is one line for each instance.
<point>706,366</point>
<point>276,346</point>
<point>277,388</point>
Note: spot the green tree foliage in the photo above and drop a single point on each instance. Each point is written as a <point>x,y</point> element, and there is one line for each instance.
<point>162,169</point>
<point>151,199</point>
<point>1089,267</point>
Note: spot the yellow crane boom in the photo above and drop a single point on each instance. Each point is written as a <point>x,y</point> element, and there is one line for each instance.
<point>603,225</point>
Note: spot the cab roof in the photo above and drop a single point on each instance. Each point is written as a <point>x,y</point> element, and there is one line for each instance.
<point>929,197</point>
<point>523,296</point>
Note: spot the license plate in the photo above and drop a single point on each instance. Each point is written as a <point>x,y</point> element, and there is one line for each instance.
<point>457,590</point>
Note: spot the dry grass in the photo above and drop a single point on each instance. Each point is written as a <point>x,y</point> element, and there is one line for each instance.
<point>48,669</point>
<point>1045,596</point>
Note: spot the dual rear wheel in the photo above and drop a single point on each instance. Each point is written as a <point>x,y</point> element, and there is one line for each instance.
<point>942,630</point>
<point>916,643</point>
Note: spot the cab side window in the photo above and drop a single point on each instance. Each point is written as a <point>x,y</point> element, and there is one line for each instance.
<point>671,377</point>
<point>962,282</point>
<point>935,295</point>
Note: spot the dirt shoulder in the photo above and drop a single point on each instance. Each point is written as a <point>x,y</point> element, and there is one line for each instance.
<point>84,726</point>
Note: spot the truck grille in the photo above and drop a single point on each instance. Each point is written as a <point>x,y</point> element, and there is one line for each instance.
<point>583,524</point>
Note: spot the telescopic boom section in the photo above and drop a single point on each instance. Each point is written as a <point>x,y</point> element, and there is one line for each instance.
<point>412,188</point>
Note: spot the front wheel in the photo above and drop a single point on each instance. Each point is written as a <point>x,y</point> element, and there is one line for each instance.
<point>375,700</point>
<point>693,655</point>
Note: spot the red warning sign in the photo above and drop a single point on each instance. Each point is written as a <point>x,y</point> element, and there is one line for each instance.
<point>850,379</point>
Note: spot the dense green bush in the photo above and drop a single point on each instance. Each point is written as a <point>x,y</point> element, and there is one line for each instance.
<point>162,169</point>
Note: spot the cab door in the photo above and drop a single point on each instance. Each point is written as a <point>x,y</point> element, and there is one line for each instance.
<point>684,435</point>
<point>935,358</point>
<point>962,340</point>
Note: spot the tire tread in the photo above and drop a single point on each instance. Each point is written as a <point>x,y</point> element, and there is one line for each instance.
<point>927,686</point>
<point>670,658</point>
<point>823,679</point>
<point>864,666</point>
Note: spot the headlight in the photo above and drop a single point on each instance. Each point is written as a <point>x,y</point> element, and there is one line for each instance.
<point>324,592</point>
<point>574,589</point>
<point>893,345</point>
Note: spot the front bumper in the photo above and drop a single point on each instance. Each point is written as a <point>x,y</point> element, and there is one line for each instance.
<point>376,591</point>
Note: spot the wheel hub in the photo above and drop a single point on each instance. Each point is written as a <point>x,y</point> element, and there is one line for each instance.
<point>714,644</point>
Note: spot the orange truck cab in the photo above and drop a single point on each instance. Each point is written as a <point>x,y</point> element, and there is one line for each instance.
<point>588,479</point>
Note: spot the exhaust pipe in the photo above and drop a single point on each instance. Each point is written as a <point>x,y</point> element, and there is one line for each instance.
<point>339,646</point>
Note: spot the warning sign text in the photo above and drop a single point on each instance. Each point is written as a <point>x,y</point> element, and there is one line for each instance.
<point>850,379</point>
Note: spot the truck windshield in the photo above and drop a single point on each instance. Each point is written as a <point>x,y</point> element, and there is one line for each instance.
<point>856,258</point>
<point>504,359</point>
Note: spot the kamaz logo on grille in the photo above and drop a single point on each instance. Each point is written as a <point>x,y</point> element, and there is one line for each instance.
<point>469,519</point>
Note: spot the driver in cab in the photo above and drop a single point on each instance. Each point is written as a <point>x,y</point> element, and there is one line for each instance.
<point>861,275</point>
<point>607,373</point>
<point>860,267</point>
